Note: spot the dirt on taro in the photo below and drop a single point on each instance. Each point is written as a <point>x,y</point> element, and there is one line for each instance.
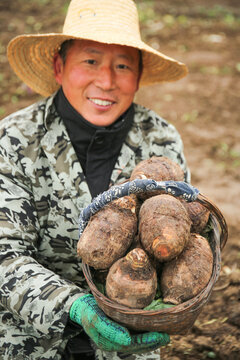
<point>204,107</point>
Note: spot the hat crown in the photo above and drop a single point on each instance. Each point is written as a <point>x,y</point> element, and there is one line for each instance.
<point>102,19</point>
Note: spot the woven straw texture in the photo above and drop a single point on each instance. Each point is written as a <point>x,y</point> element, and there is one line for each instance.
<point>105,21</point>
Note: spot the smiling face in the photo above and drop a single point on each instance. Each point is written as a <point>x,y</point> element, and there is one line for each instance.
<point>99,80</point>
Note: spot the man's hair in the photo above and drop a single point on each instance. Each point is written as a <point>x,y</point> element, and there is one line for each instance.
<point>66,45</point>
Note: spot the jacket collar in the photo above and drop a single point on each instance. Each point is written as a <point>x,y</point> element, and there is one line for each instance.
<point>63,159</point>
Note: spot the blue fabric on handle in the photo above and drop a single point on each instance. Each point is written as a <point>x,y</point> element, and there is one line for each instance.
<point>175,188</point>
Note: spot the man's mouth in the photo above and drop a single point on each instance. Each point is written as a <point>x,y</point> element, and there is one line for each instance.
<point>101,102</point>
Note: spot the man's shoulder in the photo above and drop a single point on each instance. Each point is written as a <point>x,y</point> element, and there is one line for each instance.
<point>33,113</point>
<point>144,114</point>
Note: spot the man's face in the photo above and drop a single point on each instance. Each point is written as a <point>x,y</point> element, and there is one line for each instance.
<point>99,80</point>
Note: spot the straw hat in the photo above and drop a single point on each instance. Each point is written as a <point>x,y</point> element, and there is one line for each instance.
<point>105,21</point>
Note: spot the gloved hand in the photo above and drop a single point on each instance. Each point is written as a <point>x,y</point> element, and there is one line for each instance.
<point>109,335</point>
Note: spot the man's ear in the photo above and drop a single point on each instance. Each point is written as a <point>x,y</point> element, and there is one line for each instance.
<point>58,68</point>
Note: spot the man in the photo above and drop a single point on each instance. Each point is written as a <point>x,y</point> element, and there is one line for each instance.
<point>58,154</point>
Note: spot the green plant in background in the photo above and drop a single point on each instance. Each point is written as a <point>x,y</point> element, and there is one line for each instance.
<point>32,25</point>
<point>2,48</point>
<point>238,67</point>
<point>14,99</point>
<point>228,155</point>
<point>65,7</point>
<point>146,11</point>
<point>220,13</point>
<point>211,355</point>
<point>2,110</point>
<point>43,3</point>
<point>216,70</point>
<point>190,117</point>
<point>169,20</point>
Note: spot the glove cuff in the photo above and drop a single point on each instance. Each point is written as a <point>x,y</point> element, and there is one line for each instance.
<point>76,308</point>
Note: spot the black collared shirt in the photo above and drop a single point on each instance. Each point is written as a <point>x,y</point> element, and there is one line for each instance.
<point>97,147</point>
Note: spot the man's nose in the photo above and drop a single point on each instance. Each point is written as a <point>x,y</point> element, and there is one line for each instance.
<point>105,78</point>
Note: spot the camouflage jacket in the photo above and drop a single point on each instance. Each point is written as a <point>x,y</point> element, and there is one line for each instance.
<point>43,190</point>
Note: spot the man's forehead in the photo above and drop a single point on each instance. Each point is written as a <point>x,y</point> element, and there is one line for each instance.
<point>93,47</point>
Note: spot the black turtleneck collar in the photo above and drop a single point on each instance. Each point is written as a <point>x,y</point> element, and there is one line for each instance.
<point>97,147</point>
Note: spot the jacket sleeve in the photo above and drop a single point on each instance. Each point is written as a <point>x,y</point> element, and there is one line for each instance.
<point>33,294</point>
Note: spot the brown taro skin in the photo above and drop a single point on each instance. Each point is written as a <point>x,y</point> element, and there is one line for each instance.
<point>164,227</point>
<point>184,277</point>
<point>109,233</point>
<point>132,280</point>
<point>159,168</point>
<point>198,214</point>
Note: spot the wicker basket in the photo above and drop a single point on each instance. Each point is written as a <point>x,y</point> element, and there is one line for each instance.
<point>180,318</point>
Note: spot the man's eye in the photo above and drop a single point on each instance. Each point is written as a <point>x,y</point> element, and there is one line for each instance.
<point>90,61</point>
<point>123,66</point>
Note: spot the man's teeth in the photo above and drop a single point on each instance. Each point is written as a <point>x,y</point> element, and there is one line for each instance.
<point>101,102</point>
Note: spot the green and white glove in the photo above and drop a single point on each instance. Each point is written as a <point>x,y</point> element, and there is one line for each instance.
<point>109,335</point>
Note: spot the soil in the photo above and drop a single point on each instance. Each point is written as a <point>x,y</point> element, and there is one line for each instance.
<point>204,107</point>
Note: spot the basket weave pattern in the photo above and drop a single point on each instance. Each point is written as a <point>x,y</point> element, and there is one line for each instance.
<point>180,318</point>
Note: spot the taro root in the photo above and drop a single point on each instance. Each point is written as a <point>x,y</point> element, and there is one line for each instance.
<point>184,277</point>
<point>109,233</point>
<point>132,280</point>
<point>159,168</point>
<point>198,214</point>
<point>135,243</point>
<point>164,227</point>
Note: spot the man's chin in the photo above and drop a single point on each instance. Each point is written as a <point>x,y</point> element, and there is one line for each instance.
<point>101,120</point>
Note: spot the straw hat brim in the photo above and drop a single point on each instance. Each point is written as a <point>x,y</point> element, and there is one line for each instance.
<point>31,57</point>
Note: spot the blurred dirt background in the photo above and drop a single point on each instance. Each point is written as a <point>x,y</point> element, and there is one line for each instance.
<point>205,109</point>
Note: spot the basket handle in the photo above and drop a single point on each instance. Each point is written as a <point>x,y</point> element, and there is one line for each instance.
<point>175,188</point>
